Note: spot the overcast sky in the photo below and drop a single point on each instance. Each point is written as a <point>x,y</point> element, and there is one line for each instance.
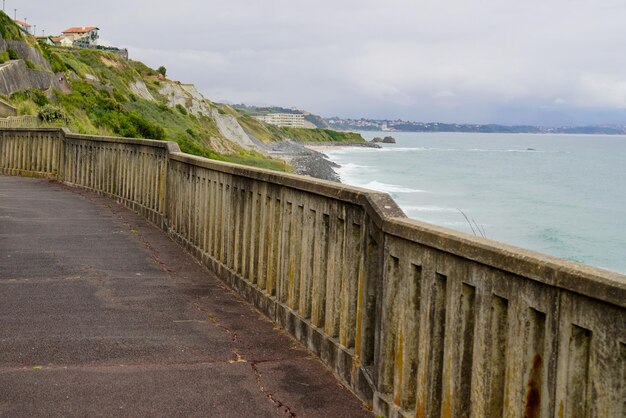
<point>479,61</point>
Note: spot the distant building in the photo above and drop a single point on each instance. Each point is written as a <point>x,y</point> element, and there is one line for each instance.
<point>80,36</point>
<point>293,120</point>
<point>23,25</point>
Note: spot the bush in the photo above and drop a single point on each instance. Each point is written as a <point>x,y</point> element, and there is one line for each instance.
<point>35,95</point>
<point>50,113</point>
<point>192,133</point>
<point>29,64</point>
<point>26,108</point>
<point>181,109</point>
<point>12,54</point>
<point>4,57</point>
<point>162,70</point>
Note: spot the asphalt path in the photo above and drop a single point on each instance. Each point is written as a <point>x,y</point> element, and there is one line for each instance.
<point>101,314</point>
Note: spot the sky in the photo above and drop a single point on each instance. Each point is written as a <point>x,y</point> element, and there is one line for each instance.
<point>542,62</point>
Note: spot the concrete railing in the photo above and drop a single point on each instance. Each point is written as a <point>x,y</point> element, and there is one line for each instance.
<point>27,121</point>
<point>418,320</point>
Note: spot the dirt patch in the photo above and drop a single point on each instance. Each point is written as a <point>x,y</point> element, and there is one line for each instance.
<point>110,63</point>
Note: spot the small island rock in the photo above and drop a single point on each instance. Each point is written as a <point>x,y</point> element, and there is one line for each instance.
<point>377,140</point>
<point>389,140</point>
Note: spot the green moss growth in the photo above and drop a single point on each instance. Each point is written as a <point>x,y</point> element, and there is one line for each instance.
<point>320,135</point>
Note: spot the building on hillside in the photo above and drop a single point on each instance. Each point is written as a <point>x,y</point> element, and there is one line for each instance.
<point>61,41</point>
<point>293,120</point>
<point>80,36</point>
<point>23,26</point>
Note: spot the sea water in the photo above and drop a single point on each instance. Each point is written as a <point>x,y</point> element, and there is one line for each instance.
<point>564,195</point>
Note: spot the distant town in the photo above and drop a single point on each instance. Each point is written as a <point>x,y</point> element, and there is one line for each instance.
<point>399,125</point>
<point>294,117</point>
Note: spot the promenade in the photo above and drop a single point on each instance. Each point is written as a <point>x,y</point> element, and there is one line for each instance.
<point>101,314</point>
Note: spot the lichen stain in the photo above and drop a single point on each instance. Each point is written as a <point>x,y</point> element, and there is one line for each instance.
<point>533,393</point>
<point>399,368</point>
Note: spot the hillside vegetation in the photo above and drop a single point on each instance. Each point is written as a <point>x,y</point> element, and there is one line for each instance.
<point>99,92</point>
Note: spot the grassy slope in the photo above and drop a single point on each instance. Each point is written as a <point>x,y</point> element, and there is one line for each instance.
<point>320,135</point>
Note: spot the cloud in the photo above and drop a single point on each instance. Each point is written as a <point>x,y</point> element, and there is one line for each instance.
<point>450,60</point>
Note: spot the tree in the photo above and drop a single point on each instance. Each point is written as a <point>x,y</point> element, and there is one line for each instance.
<point>162,70</point>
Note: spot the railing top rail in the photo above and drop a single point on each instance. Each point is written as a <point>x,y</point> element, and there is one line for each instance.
<point>586,280</point>
<point>171,147</point>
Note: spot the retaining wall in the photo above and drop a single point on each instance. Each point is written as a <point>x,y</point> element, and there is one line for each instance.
<point>419,320</point>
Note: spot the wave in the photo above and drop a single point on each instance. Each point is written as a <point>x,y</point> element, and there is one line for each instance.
<point>390,188</point>
<point>405,149</point>
<point>429,209</point>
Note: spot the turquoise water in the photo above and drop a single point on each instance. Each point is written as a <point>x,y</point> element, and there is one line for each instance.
<point>563,195</point>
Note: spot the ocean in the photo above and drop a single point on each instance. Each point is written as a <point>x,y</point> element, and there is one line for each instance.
<point>563,195</point>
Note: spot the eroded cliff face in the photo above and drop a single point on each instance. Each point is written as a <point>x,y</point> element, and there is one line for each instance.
<point>190,98</point>
<point>232,130</point>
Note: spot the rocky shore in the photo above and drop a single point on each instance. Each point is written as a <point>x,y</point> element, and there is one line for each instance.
<point>307,158</point>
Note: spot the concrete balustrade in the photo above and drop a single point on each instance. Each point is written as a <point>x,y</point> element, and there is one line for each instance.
<point>419,320</point>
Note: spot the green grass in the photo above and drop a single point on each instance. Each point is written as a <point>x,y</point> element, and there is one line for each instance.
<point>320,135</point>
<point>10,30</point>
<point>263,132</point>
<point>257,160</point>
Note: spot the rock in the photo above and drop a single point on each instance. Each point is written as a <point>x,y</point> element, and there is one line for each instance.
<point>377,140</point>
<point>231,130</point>
<point>139,89</point>
<point>389,140</point>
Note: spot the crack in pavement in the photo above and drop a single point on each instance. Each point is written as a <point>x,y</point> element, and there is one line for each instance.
<point>269,395</point>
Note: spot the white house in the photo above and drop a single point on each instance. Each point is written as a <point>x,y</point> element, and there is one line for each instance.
<point>86,35</point>
<point>23,25</point>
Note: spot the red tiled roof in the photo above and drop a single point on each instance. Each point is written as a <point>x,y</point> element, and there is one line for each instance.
<point>83,29</point>
<point>22,24</point>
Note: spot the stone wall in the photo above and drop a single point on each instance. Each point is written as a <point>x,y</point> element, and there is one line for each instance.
<point>7,110</point>
<point>419,320</point>
<point>16,76</point>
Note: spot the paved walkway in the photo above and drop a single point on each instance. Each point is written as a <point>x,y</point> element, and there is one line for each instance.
<point>102,315</point>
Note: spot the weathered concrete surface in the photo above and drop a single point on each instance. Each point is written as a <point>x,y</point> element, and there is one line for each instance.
<point>101,314</point>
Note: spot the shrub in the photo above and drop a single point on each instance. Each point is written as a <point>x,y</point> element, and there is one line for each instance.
<point>12,54</point>
<point>35,95</point>
<point>181,109</point>
<point>26,108</point>
<point>192,133</point>
<point>29,64</point>
<point>50,113</point>
<point>162,70</point>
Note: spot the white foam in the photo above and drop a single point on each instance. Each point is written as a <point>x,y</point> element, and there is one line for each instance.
<point>428,209</point>
<point>390,188</point>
